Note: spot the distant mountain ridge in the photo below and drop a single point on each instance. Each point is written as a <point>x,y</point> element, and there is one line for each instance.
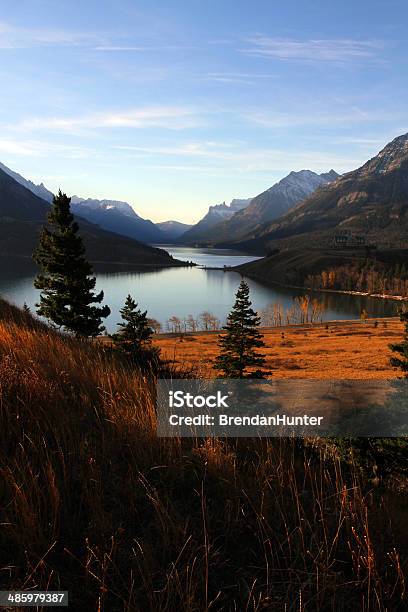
<point>266,206</point>
<point>282,196</point>
<point>117,216</point>
<point>215,215</point>
<point>172,230</point>
<point>113,215</point>
<point>94,204</point>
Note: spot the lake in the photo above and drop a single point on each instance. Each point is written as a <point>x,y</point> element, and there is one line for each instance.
<point>184,291</point>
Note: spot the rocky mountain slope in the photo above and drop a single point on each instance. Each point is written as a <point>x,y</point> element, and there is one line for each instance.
<point>39,190</point>
<point>22,215</point>
<point>216,214</point>
<point>370,202</point>
<point>266,206</point>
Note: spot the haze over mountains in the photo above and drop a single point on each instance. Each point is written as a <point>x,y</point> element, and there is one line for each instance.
<point>230,224</point>
<point>172,230</point>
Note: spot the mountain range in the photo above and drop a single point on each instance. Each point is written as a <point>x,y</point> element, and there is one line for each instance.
<point>241,220</point>
<point>112,215</point>
<point>304,210</point>
<point>172,230</point>
<point>203,230</point>
<point>249,217</point>
<point>23,214</point>
<point>117,216</point>
<point>371,202</point>
<point>361,217</point>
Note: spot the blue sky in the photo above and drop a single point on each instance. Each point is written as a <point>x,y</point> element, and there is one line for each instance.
<point>175,105</point>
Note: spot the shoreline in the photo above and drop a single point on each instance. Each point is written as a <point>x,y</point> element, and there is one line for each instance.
<point>395,298</point>
<point>171,263</point>
<point>332,323</point>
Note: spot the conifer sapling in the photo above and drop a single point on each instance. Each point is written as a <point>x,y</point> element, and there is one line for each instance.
<point>238,346</point>
<point>134,338</point>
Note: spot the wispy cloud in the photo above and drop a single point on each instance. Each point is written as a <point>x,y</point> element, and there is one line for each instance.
<point>355,140</point>
<point>174,118</point>
<point>243,158</point>
<point>40,148</point>
<point>14,37</point>
<point>313,50</point>
<point>316,117</point>
<point>142,48</point>
<point>238,77</point>
<point>212,150</point>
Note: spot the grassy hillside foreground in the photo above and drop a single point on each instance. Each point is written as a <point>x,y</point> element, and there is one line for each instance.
<point>92,502</point>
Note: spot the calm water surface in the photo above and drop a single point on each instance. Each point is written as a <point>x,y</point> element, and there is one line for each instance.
<point>184,291</point>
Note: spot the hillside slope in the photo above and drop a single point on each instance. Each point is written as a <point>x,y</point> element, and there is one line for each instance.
<point>112,215</point>
<point>371,201</point>
<point>22,215</point>
<point>92,501</point>
<point>266,206</point>
<point>39,190</point>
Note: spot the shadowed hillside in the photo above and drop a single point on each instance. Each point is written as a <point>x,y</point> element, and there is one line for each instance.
<point>22,215</point>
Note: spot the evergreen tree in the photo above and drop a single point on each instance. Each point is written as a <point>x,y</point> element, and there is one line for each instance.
<point>67,298</point>
<point>134,339</point>
<point>242,338</point>
<point>402,348</point>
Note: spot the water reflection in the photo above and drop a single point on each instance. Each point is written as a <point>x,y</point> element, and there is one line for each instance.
<point>184,291</point>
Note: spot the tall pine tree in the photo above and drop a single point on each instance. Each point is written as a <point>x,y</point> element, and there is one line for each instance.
<point>66,282</point>
<point>134,338</point>
<point>402,348</point>
<point>238,346</point>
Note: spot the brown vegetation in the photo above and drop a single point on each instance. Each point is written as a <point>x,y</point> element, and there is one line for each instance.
<point>365,278</point>
<point>355,349</point>
<point>94,503</point>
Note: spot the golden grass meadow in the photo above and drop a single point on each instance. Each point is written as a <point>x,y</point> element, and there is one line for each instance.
<point>338,349</point>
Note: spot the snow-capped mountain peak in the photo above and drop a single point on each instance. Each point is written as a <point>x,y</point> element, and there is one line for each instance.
<point>93,204</point>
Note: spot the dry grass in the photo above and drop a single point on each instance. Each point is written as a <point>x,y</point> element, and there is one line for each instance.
<point>343,351</point>
<point>93,502</point>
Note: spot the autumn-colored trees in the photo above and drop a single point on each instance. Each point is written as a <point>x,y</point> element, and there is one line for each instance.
<point>365,278</point>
